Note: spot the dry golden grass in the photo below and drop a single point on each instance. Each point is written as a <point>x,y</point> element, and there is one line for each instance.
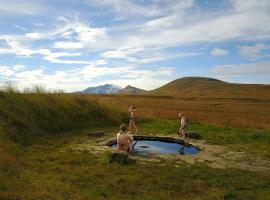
<point>241,112</point>
<point>204,99</point>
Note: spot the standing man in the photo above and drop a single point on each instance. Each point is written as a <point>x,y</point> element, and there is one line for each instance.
<point>132,121</point>
<point>183,123</point>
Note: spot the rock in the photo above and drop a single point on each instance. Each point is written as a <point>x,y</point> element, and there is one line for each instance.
<point>193,135</point>
<point>96,134</point>
<point>120,158</point>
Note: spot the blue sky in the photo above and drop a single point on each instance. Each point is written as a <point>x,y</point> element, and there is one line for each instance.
<point>71,45</point>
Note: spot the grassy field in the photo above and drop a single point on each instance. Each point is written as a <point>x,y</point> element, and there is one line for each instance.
<point>37,132</point>
<point>50,169</point>
<point>248,140</point>
<point>241,113</point>
<point>208,100</point>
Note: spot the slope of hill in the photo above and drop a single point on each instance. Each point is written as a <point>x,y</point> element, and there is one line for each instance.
<point>23,116</point>
<point>209,87</point>
<point>102,89</point>
<point>205,99</point>
<point>130,89</point>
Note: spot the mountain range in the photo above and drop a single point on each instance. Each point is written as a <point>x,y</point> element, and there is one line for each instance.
<point>188,86</point>
<point>111,89</point>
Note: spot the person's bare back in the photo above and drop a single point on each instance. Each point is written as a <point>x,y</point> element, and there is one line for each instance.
<point>124,140</point>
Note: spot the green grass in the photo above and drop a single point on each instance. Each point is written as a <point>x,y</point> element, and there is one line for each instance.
<point>51,170</point>
<point>25,116</point>
<point>249,140</point>
<point>37,160</point>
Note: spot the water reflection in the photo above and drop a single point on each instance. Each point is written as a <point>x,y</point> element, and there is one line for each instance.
<point>146,147</point>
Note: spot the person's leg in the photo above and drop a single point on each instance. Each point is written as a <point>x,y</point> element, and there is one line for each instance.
<point>130,125</point>
<point>183,132</point>
<point>180,132</point>
<point>135,127</point>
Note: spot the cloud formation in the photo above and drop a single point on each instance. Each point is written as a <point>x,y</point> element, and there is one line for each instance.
<point>88,38</point>
<point>219,52</point>
<point>261,70</point>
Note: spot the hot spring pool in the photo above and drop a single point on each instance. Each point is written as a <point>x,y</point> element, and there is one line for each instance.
<point>149,147</point>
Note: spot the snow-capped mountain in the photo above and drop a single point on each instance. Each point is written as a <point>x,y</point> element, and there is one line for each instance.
<point>102,89</point>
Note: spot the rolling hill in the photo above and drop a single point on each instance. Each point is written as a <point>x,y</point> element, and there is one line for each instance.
<point>206,99</point>
<point>209,87</point>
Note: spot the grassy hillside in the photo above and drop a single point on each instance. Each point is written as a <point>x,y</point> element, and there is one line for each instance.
<point>52,166</point>
<point>209,87</point>
<point>205,99</point>
<point>24,116</point>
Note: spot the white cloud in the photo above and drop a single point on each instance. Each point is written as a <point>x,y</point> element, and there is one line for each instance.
<point>18,7</point>
<point>68,45</point>
<point>82,34</point>
<point>253,51</point>
<point>143,56</point>
<point>88,34</point>
<point>128,9</point>
<point>255,72</point>
<point>121,53</point>
<point>145,35</point>
<point>219,52</point>
<point>73,79</point>
<point>157,57</point>
<point>20,27</point>
<point>53,57</point>
<point>47,34</point>
<point>229,24</point>
<point>8,71</point>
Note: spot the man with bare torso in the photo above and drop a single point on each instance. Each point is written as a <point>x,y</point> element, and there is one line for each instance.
<point>124,140</point>
<point>183,122</point>
<point>132,122</point>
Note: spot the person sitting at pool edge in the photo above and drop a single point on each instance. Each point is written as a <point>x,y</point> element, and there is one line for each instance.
<point>182,129</point>
<point>124,140</point>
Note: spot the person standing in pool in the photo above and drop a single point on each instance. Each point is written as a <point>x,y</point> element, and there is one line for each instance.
<point>132,121</point>
<point>183,122</point>
<point>124,140</point>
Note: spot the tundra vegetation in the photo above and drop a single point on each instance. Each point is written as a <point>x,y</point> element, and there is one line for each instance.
<point>37,130</point>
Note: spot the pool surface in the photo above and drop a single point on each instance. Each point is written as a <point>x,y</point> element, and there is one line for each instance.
<point>148,147</point>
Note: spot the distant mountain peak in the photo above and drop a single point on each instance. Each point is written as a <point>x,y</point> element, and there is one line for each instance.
<point>130,89</point>
<point>128,86</point>
<point>102,89</point>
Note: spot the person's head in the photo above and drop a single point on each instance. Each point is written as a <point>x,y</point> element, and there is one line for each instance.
<point>123,127</point>
<point>180,115</point>
<point>132,107</point>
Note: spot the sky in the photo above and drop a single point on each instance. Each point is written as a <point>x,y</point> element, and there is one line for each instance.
<point>71,45</point>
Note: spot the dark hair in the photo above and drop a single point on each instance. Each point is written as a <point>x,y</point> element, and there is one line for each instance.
<point>133,107</point>
<point>123,127</point>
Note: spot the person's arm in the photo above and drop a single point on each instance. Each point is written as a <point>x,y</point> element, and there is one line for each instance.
<point>130,138</point>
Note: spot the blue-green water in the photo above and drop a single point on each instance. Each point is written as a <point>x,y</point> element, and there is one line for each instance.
<point>146,147</point>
